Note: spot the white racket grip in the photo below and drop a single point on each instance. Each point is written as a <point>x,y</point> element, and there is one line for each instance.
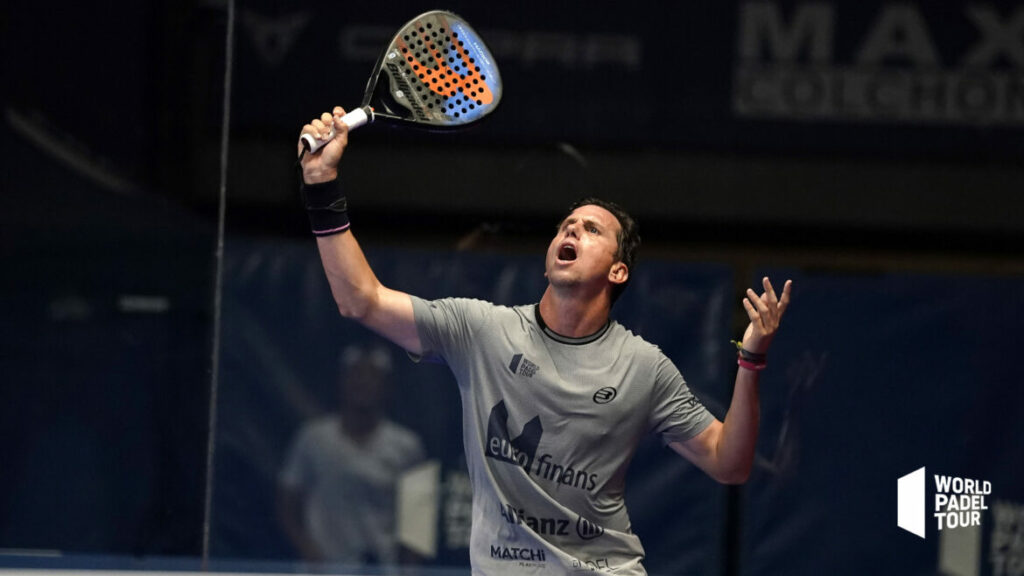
<point>353,120</point>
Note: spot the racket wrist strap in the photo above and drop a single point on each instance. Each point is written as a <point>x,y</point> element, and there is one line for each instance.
<point>326,207</point>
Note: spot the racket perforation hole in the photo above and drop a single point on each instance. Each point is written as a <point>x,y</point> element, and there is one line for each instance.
<point>480,102</point>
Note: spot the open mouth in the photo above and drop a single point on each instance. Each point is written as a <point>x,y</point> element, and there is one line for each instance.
<point>567,253</point>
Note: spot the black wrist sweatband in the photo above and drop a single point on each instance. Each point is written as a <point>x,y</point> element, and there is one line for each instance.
<point>326,206</point>
<point>749,356</point>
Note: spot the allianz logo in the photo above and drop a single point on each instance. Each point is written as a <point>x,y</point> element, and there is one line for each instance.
<point>522,451</point>
<point>585,529</point>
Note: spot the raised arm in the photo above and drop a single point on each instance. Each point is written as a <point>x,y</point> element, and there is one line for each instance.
<point>725,450</point>
<point>356,290</point>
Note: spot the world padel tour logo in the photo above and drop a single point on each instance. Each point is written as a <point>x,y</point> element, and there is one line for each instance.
<point>958,503</point>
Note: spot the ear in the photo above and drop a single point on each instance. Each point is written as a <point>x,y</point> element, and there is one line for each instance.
<point>619,273</point>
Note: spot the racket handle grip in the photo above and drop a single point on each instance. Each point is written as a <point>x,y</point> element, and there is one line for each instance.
<point>353,120</point>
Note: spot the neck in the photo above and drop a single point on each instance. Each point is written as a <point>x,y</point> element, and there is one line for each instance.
<point>572,315</point>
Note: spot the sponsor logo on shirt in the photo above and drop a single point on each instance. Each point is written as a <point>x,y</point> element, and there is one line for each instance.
<point>592,564</point>
<point>585,529</point>
<point>605,395</point>
<point>588,530</point>
<point>514,553</point>
<point>501,446</point>
<point>543,526</point>
<point>523,367</point>
<point>522,451</point>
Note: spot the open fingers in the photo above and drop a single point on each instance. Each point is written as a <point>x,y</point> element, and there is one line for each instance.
<point>769,291</point>
<point>784,300</point>
<point>752,312</point>
<point>758,301</point>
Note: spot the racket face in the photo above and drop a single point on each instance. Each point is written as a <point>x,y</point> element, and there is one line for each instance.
<point>436,73</point>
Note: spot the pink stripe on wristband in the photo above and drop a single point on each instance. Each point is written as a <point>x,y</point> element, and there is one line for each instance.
<point>332,230</point>
<point>757,367</point>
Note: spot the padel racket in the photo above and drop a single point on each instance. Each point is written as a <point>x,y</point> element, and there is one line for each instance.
<point>436,74</point>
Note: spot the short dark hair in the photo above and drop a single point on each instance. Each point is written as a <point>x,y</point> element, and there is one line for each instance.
<point>628,237</point>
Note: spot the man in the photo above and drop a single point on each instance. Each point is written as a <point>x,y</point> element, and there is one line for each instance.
<point>336,491</point>
<point>555,395</point>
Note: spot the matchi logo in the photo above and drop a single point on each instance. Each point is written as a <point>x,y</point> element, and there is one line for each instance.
<point>958,502</point>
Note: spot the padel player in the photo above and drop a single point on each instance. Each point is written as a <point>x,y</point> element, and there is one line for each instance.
<point>555,395</point>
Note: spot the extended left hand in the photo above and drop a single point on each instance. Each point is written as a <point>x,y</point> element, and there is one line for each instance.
<point>765,313</point>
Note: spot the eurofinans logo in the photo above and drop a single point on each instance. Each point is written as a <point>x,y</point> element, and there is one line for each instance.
<point>959,502</point>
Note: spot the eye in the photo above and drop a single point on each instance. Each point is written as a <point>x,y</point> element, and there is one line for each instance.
<point>592,229</point>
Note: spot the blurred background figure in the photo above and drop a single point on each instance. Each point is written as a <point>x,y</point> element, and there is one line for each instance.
<point>336,491</point>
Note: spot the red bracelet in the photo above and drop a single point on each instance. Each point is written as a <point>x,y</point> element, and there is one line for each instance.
<point>755,366</point>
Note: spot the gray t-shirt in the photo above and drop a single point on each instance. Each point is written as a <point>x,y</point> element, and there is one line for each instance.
<point>349,488</point>
<point>550,425</point>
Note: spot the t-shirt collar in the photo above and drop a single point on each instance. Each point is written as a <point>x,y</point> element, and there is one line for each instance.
<point>568,339</point>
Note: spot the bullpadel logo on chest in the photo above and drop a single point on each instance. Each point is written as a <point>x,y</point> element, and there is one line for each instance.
<point>522,451</point>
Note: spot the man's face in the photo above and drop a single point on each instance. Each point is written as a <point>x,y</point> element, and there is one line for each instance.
<point>583,251</point>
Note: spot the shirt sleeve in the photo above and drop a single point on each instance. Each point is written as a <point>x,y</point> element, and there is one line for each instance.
<point>677,414</point>
<point>447,326</point>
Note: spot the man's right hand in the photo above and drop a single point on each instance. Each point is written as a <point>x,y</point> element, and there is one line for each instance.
<point>323,165</point>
